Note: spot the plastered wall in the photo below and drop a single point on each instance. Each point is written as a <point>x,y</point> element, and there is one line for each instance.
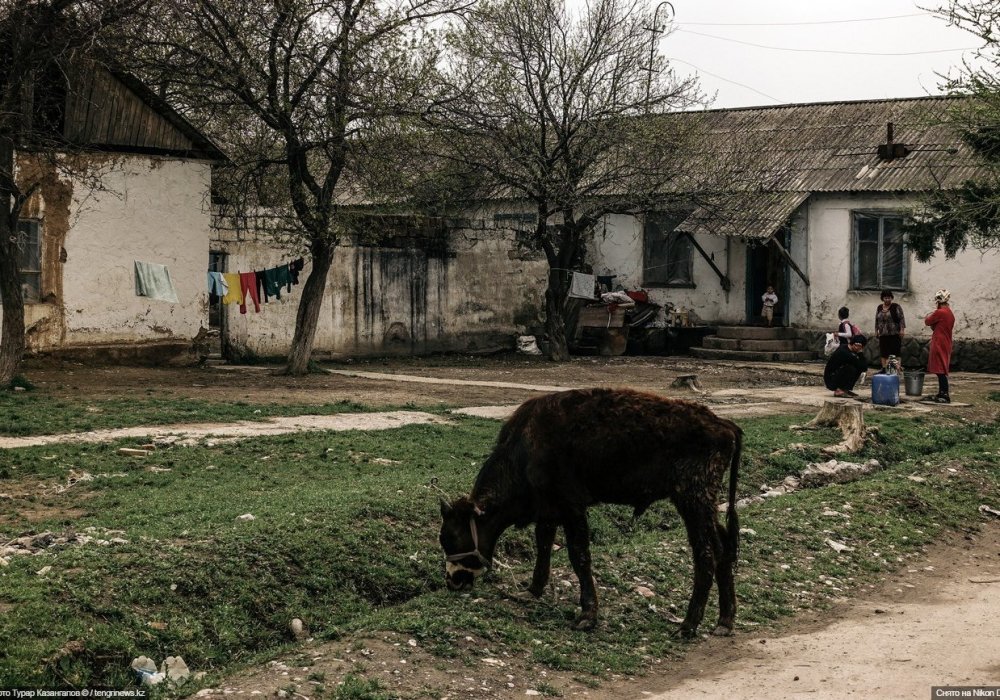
<point>383,301</point>
<point>145,208</point>
<point>617,250</point>
<point>821,245</point>
<point>970,277</point>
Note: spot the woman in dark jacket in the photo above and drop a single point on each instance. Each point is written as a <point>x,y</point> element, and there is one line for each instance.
<point>890,326</point>
<point>845,367</point>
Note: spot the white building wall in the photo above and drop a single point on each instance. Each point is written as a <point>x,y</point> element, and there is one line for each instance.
<point>147,208</point>
<point>971,276</point>
<point>156,211</point>
<point>618,250</point>
<point>821,245</point>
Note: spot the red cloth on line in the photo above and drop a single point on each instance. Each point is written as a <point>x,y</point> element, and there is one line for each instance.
<point>941,321</point>
<point>248,284</point>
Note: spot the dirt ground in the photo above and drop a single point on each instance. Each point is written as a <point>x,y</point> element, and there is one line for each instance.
<point>463,381</point>
<point>931,624</point>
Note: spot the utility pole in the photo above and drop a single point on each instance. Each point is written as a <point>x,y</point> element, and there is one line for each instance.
<point>655,31</point>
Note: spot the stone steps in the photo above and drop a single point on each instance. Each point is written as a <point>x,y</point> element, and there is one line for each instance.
<point>756,333</point>
<point>755,344</point>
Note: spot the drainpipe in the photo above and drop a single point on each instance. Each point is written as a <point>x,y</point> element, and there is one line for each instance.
<point>729,242</point>
<point>808,245</point>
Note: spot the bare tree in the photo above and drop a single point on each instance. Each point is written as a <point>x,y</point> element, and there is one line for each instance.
<point>561,110</point>
<point>40,38</point>
<point>295,91</point>
<point>949,220</point>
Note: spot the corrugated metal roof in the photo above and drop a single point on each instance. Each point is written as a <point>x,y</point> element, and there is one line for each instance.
<point>752,216</point>
<point>766,161</point>
<point>833,147</point>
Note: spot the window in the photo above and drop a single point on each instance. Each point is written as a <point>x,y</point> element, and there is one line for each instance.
<point>667,253</point>
<point>879,252</point>
<point>29,244</point>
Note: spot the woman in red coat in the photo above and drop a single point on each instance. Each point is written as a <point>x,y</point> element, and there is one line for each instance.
<point>941,321</point>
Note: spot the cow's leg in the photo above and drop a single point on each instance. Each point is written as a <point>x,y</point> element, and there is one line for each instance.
<point>545,535</point>
<point>578,543</point>
<point>727,587</point>
<point>706,549</point>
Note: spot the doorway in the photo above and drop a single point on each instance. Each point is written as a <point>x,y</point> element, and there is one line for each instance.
<point>766,266</point>
<point>216,311</point>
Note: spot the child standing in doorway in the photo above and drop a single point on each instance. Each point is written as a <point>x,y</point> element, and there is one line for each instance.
<point>770,299</point>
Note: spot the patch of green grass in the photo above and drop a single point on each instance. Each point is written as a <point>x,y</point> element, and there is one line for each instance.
<point>25,413</point>
<point>344,536</point>
<point>355,687</point>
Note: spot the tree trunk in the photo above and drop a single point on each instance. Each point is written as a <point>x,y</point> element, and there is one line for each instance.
<point>12,329</point>
<point>555,322</point>
<point>307,317</point>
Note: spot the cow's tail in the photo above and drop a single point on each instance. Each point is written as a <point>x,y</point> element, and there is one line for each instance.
<point>732,543</point>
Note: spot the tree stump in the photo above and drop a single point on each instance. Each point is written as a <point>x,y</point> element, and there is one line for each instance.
<point>849,417</point>
<point>689,381</point>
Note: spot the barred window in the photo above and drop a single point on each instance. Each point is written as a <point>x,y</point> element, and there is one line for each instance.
<point>880,259</point>
<point>667,253</point>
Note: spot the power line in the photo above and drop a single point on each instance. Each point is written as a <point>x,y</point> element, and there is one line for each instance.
<point>801,24</point>
<point>719,77</point>
<point>845,53</point>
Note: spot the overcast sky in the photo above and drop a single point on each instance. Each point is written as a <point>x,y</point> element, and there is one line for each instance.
<point>809,59</point>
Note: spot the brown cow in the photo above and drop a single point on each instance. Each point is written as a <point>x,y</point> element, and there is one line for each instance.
<point>560,453</point>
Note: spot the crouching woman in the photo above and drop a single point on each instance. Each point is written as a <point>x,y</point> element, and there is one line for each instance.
<point>845,367</point>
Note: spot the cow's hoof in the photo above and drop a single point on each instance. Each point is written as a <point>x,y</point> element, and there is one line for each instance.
<point>686,632</point>
<point>722,631</point>
<point>585,623</point>
<point>536,591</point>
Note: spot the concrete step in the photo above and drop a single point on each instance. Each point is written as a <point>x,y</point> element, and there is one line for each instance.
<point>779,356</point>
<point>716,343</point>
<point>756,333</point>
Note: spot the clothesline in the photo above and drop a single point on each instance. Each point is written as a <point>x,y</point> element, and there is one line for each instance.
<point>237,287</point>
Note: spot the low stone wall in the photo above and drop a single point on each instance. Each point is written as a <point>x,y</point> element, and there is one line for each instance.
<point>966,356</point>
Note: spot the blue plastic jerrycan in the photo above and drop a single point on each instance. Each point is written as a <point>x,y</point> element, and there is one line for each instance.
<point>885,389</point>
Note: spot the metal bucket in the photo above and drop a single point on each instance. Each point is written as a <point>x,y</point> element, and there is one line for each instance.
<point>914,380</point>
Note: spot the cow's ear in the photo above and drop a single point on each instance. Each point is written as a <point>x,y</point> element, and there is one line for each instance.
<point>445,508</point>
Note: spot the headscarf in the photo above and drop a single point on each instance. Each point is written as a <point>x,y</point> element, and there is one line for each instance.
<point>942,296</point>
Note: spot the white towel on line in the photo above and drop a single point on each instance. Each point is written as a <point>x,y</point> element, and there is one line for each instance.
<point>153,280</point>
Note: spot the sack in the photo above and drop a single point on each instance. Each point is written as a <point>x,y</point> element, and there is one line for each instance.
<point>832,343</point>
<point>527,345</point>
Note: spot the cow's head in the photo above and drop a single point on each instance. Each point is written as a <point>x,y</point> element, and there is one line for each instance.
<point>464,562</point>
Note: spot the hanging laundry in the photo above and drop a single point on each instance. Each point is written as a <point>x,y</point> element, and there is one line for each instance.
<point>261,285</point>
<point>153,280</point>
<point>217,284</point>
<point>276,278</point>
<point>581,286</point>
<point>248,285</point>
<point>234,293</point>
<point>294,268</point>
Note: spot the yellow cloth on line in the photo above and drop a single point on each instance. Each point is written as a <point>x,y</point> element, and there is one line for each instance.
<point>235,294</point>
